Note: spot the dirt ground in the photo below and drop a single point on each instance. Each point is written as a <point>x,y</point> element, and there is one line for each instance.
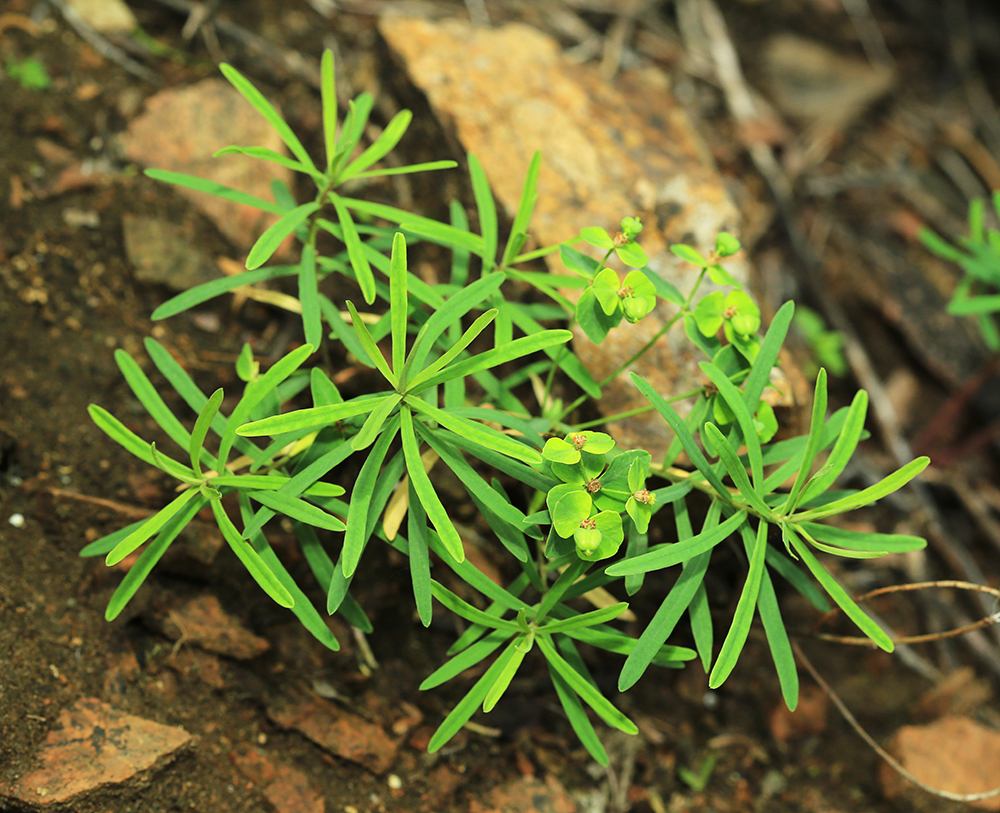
<point>69,298</point>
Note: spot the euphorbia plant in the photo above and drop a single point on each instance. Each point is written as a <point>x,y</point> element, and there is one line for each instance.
<point>569,509</point>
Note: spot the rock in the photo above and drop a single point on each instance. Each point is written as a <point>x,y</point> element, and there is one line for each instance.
<point>527,795</point>
<point>953,754</point>
<point>164,253</point>
<point>608,151</point>
<point>92,745</point>
<point>180,131</point>
<point>202,622</point>
<point>106,16</point>
<point>342,733</point>
<point>286,788</point>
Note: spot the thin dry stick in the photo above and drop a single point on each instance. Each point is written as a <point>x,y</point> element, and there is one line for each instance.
<point>988,620</point>
<point>878,749</point>
<point>123,509</point>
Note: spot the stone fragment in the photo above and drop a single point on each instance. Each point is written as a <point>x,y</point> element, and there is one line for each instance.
<point>106,16</point>
<point>286,788</point>
<point>953,754</point>
<point>164,253</point>
<point>202,622</point>
<point>182,128</point>
<point>527,795</point>
<point>608,151</point>
<point>342,733</point>
<point>92,745</point>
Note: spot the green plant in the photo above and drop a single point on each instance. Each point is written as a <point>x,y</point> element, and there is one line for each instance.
<point>29,72</point>
<point>978,255</point>
<point>573,511</point>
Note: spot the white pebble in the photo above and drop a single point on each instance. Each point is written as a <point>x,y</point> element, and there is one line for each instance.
<point>394,782</point>
<point>17,520</point>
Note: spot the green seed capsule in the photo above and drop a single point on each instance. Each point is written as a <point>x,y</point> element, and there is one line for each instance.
<point>587,539</point>
<point>635,308</point>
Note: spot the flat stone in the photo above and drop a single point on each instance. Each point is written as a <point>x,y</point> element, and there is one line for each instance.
<point>340,732</point>
<point>106,16</point>
<point>286,788</point>
<point>92,745</point>
<point>180,131</point>
<point>528,795</point>
<point>954,754</point>
<point>165,253</point>
<point>202,622</point>
<point>608,151</point>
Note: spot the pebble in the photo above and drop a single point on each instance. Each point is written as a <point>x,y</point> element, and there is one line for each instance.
<point>17,520</point>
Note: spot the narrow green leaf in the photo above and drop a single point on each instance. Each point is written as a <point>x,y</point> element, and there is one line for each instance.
<point>499,355</point>
<point>398,312</point>
<point>371,348</point>
<point>839,594</point>
<point>893,482</point>
<point>358,529</point>
<point>355,251</point>
<point>132,443</point>
<point>212,188</point>
<point>767,355</point>
<point>478,433</point>
<point>858,540</point>
<point>511,665</point>
<point>468,705</point>
<point>309,418</point>
<point>139,536</point>
<point>587,692</point>
<point>297,509</point>
<point>419,556</point>
<point>436,512</point>
<point>578,719</point>
<point>813,443</point>
<point>682,433</point>
<point>450,314</point>
<point>265,154</point>
<point>309,296</point>
<point>471,481</point>
<point>373,424</point>
<point>269,241</point>
<point>150,398</point>
<point>727,454</point>
<point>264,107</point>
<point>150,556</point>
<point>734,399</point>
<point>589,619</point>
<point>465,659</point>
<point>569,363</point>
<point>205,418</point>
<point>328,95</point>
<point>250,558</point>
<point>487,211</point>
<point>381,147</point>
<point>302,607</point>
<point>529,197</point>
<point>216,287</point>
<point>662,556</point>
<point>253,394</point>
<point>416,384</point>
<point>842,451</point>
<point>409,169</point>
<point>663,622</point>
<point>743,617</point>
